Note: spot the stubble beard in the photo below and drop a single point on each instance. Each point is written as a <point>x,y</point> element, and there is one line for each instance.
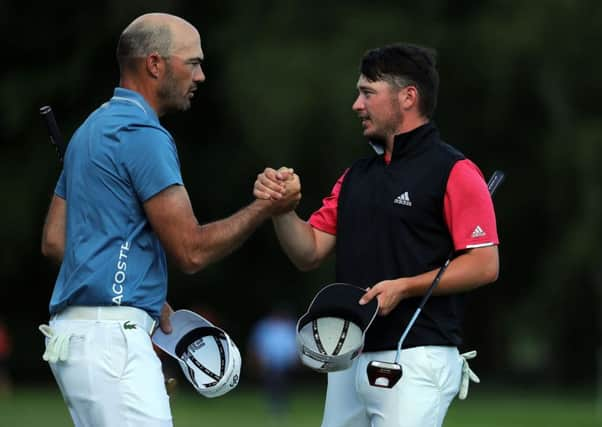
<point>169,95</point>
<point>388,126</point>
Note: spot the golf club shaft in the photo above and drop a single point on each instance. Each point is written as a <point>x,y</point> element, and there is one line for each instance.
<point>494,182</point>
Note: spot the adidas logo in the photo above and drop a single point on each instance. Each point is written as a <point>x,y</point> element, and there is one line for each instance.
<point>403,199</point>
<point>478,232</point>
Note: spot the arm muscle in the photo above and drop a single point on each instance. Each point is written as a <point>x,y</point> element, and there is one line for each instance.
<point>192,245</point>
<point>306,246</point>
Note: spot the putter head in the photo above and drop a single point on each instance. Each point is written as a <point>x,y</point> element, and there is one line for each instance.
<point>383,374</point>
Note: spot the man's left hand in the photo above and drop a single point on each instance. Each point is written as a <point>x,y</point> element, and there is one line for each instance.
<point>388,293</point>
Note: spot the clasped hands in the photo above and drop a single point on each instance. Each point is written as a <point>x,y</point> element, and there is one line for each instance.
<point>282,188</point>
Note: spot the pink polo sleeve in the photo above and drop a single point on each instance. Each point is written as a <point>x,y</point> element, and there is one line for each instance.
<point>325,218</point>
<point>468,208</point>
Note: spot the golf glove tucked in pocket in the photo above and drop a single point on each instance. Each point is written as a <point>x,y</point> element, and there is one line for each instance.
<point>467,374</point>
<point>57,345</point>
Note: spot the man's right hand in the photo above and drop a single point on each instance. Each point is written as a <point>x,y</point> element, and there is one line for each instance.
<point>164,322</point>
<point>282,187</point>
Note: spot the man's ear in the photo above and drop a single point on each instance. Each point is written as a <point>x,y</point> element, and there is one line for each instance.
<point>154,65</point>
<point>408,97</point>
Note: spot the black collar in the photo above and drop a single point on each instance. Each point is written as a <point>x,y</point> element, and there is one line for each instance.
<point>408,142</point>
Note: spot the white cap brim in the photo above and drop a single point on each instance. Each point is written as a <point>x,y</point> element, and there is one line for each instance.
<point>182,322</point>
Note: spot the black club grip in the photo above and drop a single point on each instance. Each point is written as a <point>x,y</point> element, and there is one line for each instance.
<point>53,131</point>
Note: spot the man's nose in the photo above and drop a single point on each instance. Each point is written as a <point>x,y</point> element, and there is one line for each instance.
<point>199,76</point>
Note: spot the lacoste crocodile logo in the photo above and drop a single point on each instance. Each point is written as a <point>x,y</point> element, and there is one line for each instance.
<point>128,325</point>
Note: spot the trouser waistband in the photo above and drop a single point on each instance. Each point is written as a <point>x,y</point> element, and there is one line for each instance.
<point>119,313</point>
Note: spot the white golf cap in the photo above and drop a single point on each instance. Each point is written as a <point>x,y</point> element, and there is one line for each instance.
<point>208,357</point>
<point>331,334</point>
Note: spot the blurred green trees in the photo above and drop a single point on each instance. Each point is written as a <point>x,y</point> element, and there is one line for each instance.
<point>520,91</point>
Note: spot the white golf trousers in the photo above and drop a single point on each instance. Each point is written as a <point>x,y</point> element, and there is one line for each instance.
<point>431,378</point>
<point>111,376</point>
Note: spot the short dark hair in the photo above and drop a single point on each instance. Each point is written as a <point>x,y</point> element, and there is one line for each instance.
<point>140,39</point>
<point>402,64</point>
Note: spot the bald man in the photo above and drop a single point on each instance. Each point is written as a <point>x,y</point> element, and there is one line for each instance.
<point>119,205</point>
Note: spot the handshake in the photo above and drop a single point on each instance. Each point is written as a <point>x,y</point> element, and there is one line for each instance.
<point>281,189</point>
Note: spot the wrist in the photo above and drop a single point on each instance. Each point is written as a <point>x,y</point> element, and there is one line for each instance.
<point>407,287</point>
<point>283,216</point>
<point>262,208</point>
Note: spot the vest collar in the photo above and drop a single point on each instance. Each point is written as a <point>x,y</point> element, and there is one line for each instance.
<point>407,142</point>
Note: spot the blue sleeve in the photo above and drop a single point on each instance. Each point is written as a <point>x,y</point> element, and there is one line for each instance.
<point>60,189</point>
<point>151,160</point>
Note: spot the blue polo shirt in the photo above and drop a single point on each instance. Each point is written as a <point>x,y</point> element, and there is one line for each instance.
<point>117,159</point>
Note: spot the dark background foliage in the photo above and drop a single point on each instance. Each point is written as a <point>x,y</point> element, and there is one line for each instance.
<point>520,91</point>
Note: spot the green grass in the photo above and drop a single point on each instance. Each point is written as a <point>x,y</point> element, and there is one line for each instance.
<point>29,407</point>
